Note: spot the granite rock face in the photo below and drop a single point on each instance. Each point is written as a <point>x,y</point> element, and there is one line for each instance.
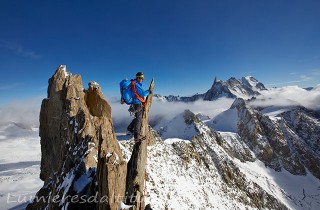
<point>136,176</point>
<point>290,141</point>
<point>81,164</point>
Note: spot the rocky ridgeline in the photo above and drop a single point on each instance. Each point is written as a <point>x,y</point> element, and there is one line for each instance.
<point>246,87</point>
<point>291,141</point>
<point>206,164</point>
<point>81,164</point>
<point>215,163</point>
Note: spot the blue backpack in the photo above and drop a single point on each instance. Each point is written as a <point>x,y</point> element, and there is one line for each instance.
<point>126,91</point>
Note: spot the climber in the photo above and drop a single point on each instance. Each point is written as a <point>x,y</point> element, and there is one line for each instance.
<point>137,107</point>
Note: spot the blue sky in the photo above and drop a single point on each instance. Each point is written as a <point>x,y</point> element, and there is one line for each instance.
<point>183,44</point>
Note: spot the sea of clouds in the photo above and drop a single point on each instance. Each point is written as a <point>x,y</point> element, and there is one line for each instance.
<point>288,96</point>
<point>26,113</point>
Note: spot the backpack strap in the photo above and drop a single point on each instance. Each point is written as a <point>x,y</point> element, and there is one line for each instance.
<point>133,87</point>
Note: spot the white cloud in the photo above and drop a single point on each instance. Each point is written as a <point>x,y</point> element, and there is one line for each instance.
<point>24,113</point>
<point>317,88</point>
<point>17,49</point>
<point>166,110</point>
<point>290,95</point>
<point>10,86</point>
<point>304,78</point>
<point>208,108</point>
<point>315,72</point>
<point>300,77</point>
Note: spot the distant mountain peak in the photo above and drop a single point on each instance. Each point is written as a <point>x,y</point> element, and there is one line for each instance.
<point>246,87</point>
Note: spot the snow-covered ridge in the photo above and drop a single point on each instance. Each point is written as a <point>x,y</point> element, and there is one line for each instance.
<point>216,170</point>
<point>232,144</point>
<point>246,88</point>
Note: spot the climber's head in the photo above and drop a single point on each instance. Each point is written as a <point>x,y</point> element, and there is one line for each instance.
<point>140,76</point>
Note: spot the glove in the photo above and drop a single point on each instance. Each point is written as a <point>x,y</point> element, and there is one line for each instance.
<point>150,91</point>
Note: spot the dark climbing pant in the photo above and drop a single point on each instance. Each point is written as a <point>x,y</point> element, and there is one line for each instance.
<point>136,123</point>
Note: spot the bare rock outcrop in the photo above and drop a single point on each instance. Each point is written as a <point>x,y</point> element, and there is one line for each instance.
<point>291,142</point>
<point>211,149</point>
<point>206,156</point>
<point>302,128</point>
<point>135,184</point>
<point>81,164</point>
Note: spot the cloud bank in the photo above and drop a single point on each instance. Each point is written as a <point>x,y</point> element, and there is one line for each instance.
<point>288,96</point>
<point>24,113</point>
<point>167,110</point>
<point>17,49</point>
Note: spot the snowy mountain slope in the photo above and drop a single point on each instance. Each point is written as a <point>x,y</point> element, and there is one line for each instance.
<point>178,127</point>
<point>226,121</point>
<point>251,83</point>
<point>211,173</point>
<point>180,175</point>
<point>287,140</point>
<point>19,166</point>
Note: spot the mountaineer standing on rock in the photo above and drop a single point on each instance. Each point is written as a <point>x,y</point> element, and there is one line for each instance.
<point>133,94</point>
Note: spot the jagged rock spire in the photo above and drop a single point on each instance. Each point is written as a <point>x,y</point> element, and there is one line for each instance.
<point>137,165</point>
<point>81,162</point>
